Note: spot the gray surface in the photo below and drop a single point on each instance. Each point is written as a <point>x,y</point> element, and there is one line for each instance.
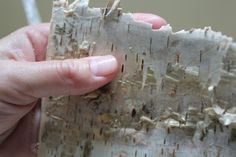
<point>181,14</point>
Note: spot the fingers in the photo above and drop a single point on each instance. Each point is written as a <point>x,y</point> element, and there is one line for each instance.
<point>28,43</point>
<point>156,21</point>
<point>10,114</point>
<point>46,78</point>
<point>27,81</point>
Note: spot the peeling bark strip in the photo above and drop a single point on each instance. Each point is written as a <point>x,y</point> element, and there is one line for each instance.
<point>174,96</point>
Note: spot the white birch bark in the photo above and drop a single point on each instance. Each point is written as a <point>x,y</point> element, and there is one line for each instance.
<point>174,95</point>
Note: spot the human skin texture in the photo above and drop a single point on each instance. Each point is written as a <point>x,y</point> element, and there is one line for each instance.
<point>26,77</point>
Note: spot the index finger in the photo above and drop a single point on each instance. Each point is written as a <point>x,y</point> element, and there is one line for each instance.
<point>156,21</point>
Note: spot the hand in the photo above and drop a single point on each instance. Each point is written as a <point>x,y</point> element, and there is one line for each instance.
<point>26,77</point>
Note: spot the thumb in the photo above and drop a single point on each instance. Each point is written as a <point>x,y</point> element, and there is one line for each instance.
<point>27,81</point>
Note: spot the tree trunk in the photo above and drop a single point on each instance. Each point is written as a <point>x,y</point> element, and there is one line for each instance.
<point>174,95</point>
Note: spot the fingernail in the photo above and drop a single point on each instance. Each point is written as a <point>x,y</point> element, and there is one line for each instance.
<point>104,65</point>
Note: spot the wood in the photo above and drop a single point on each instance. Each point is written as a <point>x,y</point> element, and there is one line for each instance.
<point>174,95</point>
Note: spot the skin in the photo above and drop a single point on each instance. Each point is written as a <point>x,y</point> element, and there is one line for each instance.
<point>26,77</point>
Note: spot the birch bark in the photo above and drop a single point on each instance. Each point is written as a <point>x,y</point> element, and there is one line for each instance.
<point>174,95</point>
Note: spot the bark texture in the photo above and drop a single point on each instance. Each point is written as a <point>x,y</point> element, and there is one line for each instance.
<point>174,95</point>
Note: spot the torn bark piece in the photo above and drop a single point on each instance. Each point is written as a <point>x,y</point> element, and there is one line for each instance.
<point>174,95</point>
<point>112,6</point>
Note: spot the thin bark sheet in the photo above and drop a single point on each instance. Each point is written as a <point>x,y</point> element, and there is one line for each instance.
<point>174,95</point>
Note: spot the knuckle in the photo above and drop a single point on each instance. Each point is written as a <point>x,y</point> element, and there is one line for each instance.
<point>74,72</point>
<point>65,71</point>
